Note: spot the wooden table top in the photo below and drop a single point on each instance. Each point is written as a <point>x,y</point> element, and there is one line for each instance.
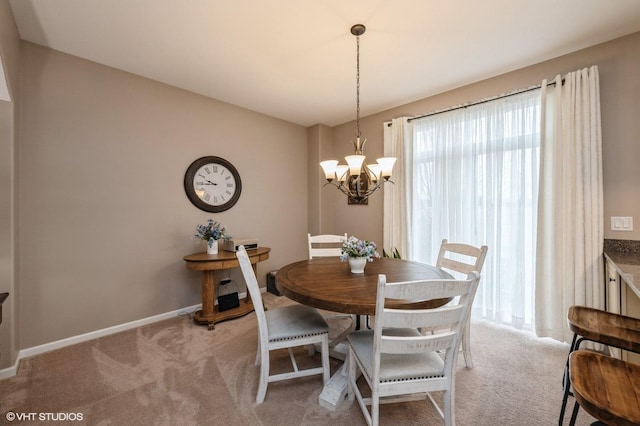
<point>202,261</point>
<point>327,283</point>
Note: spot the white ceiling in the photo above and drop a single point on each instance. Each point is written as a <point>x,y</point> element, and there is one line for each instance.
<point>295,59</point>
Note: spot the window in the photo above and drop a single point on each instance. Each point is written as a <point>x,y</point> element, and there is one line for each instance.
<point>475,180</point>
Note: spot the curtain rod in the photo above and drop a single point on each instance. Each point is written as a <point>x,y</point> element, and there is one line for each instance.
<point>517,92</point>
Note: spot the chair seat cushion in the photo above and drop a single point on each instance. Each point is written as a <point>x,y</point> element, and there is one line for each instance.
<point>294,321</point>
<point>395,367</point>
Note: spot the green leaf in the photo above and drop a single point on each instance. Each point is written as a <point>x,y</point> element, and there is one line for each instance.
<point>394,253</point>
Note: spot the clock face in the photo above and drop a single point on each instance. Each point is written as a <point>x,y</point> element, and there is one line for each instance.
<point>212,184</point>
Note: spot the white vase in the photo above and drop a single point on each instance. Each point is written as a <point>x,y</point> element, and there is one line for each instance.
<point>212,247</point>
<point>357,264</point>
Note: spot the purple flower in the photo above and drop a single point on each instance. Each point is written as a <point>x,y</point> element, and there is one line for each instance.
<point>211,231</point>
<point>354,247</point>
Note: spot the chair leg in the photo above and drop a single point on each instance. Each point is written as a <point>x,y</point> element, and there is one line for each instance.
<point>354,393</point>
<point>449,412</point>
<point>258,354</point>
<point>311,349</point>
<point>264,380</point>
<point>326,368</point>
<point>375,407</point>
<point>466,345</point>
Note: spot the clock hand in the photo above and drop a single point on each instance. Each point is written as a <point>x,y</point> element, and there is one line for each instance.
<point>212,183</point>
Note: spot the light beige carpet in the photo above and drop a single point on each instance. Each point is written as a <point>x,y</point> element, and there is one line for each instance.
<point>176,373</point>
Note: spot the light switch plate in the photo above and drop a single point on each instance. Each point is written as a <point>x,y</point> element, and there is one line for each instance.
<point>621,223</point>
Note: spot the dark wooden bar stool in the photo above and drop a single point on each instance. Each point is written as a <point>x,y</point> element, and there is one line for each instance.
<point>598,326</point>
<point>605,387</point>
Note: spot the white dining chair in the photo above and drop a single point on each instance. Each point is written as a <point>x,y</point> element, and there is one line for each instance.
<point>398,362</point>
<point>330,245</point>
<point>462,258</point>
<point>286,327</point>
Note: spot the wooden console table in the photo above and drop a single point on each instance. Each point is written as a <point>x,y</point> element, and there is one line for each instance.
<point>208,264</point>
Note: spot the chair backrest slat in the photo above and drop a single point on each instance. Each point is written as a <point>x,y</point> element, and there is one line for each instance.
<point>461,258</point>
<point>325,245</point>
<point>409,345</point>
<point>426,289</point>
<point>431,318</point>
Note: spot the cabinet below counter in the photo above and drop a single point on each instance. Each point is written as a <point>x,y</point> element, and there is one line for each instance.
<point>622,281</point>
<point>628,266</point>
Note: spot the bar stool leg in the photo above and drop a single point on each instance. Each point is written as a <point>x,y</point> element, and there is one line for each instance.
<point>565,396</point>
<point>574,414</point>
<point>566,382</point>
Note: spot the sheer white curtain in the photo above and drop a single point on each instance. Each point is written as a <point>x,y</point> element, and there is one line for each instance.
<point>475,181</point>
<point>570,219</point>
<point>398,142</point>
<point>471,175</point>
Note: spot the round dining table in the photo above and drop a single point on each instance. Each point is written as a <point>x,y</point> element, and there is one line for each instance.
<point>327,283</point>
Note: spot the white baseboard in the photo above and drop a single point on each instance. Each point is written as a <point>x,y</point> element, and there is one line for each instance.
<point>40,349</point>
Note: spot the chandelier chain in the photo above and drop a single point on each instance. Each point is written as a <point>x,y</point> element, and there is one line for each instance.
<point>357,86</point>
<point>358,180</point>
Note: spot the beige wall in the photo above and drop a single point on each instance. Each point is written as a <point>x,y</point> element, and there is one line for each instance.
<point>320,145</point>
<point>104,220</point>
<point>619,67</point>
<point>7,283</point>
<point>9,52</point>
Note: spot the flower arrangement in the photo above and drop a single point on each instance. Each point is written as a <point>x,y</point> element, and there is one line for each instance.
<point>211,232</point>
<point>354,247</point>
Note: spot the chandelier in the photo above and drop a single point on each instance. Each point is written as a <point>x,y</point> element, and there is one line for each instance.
<point>356,179</point>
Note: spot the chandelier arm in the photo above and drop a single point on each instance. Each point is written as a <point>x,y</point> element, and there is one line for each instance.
<point>340,186</point>
<point>358,194</point>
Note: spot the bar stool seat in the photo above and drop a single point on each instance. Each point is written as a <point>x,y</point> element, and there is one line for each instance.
<point>599,326</point>
<point>605,327</point>
<point>605,387</point>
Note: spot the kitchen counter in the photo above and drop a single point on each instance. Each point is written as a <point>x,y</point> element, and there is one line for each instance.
<point>627,264</point>
<point>624,256</point>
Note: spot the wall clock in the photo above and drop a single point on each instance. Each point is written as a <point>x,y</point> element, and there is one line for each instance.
<point>212,184</point>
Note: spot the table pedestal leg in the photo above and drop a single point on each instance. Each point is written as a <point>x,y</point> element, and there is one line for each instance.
<point>207,315</point>
<point>334,392</point>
